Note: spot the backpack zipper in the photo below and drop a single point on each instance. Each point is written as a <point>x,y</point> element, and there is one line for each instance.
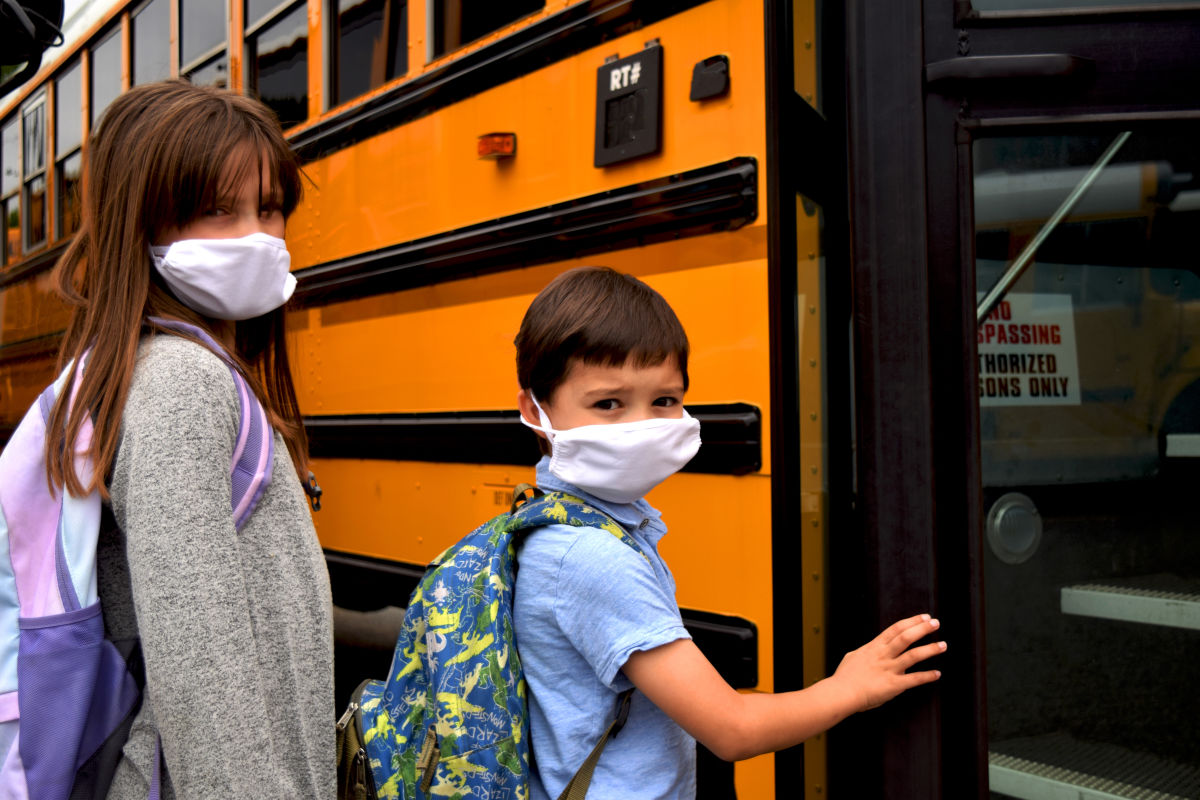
<point>344,720</point>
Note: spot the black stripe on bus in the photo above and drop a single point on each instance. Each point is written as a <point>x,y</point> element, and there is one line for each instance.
<point>558,37</point>
<point>364,583</point>
<point>722,196</point>
<point>732,436</point>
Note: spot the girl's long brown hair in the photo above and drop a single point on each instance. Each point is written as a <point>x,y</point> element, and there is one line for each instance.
<point>163,155</point>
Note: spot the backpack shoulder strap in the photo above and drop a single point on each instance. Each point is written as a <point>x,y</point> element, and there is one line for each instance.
<point>254,451</point>
<point>560,508</point>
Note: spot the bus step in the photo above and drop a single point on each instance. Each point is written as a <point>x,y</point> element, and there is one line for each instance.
<point>1155,600</point>
<point>1060,767</point>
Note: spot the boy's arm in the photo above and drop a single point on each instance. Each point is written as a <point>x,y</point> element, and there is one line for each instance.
<point>681,681</point>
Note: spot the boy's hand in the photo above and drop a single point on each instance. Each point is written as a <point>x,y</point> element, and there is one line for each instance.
<point>875,672</point>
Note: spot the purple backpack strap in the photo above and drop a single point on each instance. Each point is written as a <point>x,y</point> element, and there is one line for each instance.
<point>254,452</point>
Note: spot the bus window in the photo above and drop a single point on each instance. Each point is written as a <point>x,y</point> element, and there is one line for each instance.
<point>277,54</point>
<point>10,163</point>
<point>202,37</point>
<point>105,73</point>
<point>68,136</point>
<point>370,44</point>
<point>152,42</point>
<point>33,170</point>
<point>459,22</point>
<point>201,29</point>
<point>1089,395</point>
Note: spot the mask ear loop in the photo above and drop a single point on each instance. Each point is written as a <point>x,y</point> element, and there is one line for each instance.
<point>545,420</point>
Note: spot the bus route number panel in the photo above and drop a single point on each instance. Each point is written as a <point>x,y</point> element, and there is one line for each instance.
<point>629,106</point>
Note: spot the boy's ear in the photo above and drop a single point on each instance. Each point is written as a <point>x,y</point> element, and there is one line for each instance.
<point>528,411</point>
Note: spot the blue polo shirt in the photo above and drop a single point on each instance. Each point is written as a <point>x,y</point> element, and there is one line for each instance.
<point>584,601</point>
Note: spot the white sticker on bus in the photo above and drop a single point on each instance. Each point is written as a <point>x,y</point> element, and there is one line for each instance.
<point>1027,352</point>
<point>623,77</point>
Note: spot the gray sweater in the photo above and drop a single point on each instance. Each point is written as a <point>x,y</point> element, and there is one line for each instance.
<point>235,627</point>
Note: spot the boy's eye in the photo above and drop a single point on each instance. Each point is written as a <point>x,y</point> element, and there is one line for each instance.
<point>608,404</point>
<point>667,401</point>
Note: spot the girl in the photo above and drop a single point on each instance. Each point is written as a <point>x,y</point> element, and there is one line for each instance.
<point>186,196</point>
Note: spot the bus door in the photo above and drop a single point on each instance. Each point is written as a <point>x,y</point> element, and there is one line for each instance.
<point>1054,262</point>
<point>1084,188</point>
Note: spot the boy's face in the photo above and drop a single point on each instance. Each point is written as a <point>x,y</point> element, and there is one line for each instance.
<point>602,395</point>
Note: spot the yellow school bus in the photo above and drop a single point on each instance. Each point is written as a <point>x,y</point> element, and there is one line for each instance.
<point>848,205</point>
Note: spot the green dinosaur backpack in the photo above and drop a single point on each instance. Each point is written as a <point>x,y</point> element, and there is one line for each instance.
<point>451,720</point>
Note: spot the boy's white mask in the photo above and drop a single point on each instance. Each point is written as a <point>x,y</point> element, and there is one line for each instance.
<point>228,278</point>
<point>621,461</point>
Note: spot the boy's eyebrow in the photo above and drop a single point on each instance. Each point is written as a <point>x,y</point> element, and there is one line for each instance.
<point>604,391</point>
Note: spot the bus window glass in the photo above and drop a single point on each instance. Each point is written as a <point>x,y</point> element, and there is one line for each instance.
<point>460,22</point>
<point>68,136</point>
<point>258,10</point>
<point>278,55</point>
<point>106,74</point>
<point>10,182</point>
<point>33,169</point>
<point>68,119</point>
<point>152,42</point>
<point>201,28</point>
<point>66,192</point>
<point>371,40</point>
<point>1089,407</point>
<point>213,73</point>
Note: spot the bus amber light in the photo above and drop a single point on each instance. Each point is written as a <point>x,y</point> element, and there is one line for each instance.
<point>497,145</point>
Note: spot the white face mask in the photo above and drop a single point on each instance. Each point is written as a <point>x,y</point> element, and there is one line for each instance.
<point>228,278</point>
<point>621,461</point>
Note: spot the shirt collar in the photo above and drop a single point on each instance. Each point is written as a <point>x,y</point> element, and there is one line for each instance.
<point>638,517</point>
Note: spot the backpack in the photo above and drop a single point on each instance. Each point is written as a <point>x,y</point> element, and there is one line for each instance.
<point>68,695</point>
<point>451,720</point>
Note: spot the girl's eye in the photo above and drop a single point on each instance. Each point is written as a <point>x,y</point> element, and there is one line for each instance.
<point>608,404</point>
<point>667,402</point>
<point>270,211</point>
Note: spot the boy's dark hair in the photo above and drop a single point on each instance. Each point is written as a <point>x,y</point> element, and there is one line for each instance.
<point>598,316</point>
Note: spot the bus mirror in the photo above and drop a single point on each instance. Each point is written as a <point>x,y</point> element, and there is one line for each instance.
<point>27,28</point>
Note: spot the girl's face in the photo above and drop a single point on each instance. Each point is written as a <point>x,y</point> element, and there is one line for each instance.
<point>239,213</point>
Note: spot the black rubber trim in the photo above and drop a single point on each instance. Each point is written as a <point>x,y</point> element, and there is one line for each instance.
<point>732,436</point>
<point>718,197</point>
<point>364,583</point>
<point>1040,66</point>
<point>553,39</point>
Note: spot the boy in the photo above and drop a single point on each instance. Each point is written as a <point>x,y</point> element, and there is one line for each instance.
<point>602,365</point>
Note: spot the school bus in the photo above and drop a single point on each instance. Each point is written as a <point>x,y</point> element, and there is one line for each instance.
<point>936,262</point>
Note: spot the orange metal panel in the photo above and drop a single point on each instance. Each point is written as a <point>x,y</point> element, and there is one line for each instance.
<point>424,177</point>
<point>236,47</point>
<point>31,308</point>
<point>316,59</point>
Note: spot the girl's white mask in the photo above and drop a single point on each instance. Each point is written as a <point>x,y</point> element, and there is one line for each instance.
<point>228,278</point>
<point>621,461</point>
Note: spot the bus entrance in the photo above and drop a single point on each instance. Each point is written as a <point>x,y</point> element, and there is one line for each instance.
<point>1089,410</point>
